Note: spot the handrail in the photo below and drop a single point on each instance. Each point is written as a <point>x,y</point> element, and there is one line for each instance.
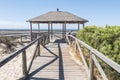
<point>14,54</point>
<point>43,39</point>
<point>93,53</point>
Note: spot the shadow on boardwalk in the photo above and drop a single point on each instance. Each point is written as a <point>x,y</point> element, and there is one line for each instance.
<point>61,68</point>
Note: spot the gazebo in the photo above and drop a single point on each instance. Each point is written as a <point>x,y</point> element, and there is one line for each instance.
<point>52,17</point>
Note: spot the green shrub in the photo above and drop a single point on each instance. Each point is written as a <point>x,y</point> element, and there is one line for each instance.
<point>106,40</point>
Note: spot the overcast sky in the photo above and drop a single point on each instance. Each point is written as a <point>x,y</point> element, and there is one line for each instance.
<point>14,13</point>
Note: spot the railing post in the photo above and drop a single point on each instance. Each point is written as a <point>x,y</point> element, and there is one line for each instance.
<point>48,39</point>
<point>91,75</point>
<point>38,47</point>
<point>76,45</point>
<point>67,39</point>
<point>70,39</point>
<point>21,38</point>
<point>24,64</point>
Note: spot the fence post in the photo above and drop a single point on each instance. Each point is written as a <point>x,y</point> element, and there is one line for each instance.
<point>21,38</point>
<point>38,47</point>
<point>91,74</point>
<point>76,47</point>
<point>48,39</point>
<point>24,64</point>
<point>70,39</point>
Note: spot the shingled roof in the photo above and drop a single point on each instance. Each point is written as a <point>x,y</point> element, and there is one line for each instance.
<point>57,17</point>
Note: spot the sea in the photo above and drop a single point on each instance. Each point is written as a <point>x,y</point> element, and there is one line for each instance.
<point>27,31</point>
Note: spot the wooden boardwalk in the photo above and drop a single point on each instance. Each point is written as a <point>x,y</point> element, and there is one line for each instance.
<point>55,63</point>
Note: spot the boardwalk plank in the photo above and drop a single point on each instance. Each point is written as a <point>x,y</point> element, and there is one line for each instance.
<point>55,63</point>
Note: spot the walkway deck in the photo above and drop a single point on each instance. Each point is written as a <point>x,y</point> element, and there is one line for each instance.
<point>55,63</point>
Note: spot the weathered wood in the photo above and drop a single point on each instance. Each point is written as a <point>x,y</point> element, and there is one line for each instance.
<point>104,77</point>
<point>91,75</point>
<point>65,30</point>
<point>51,31</point>
<point>21,38</point>
<point>83,58</point>
<point>43,40</point>
<point>57,64</point>
<point>78,26</point>
<point>31,30</point>
<point>68,40</point>
<point>14,54</point>
<point>38,47</point>
<point>24,64</point>
<point>111,63</point>
<point>83,25</point>
<point>76,47</point>
<point>38,28</point>
<point>34,54</point>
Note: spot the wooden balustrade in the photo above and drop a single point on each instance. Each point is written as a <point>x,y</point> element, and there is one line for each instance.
<point>43,40</point>
<point>93,60</point>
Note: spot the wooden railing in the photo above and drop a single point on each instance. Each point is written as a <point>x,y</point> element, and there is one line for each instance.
<point>43,40</point>
<point>93,53</point>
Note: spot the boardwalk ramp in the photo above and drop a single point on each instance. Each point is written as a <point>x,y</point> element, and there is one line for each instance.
<point>55,63</point>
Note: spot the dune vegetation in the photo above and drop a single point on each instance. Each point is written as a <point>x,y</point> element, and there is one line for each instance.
<point>7,44</point>
<point>106,40</point>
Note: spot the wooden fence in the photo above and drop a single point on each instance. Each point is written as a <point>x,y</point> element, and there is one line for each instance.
<point>93,53</point>
<point>43,40</point>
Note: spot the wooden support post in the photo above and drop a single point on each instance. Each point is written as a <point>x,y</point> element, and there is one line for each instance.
<point>65,30</point>
<point>21,38</point>
<point>91,75</point>
<point>62,30</point>
<point>31,30</point>
<point>38,47</point>
<point>70,40</point>
<point>83,25</point>
<point>78,26</point>
<point>44,40</point>
<point>48,32</point>
<point>51,31</point>
<point>24,64</point>
<point>76,47</point>
<point>38,29</point>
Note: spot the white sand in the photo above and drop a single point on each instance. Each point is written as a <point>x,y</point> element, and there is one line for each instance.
<point>13,69</point>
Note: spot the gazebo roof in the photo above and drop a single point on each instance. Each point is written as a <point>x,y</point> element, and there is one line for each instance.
<point>57,17</point>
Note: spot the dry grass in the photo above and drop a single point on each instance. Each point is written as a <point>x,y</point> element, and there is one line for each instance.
<point>75,54</point>
<point>77,58</point>
<point>7,45</point>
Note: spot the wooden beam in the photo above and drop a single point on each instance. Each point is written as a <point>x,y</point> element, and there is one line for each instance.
<point>38,47</point>
<point>78,26</point>
<point>38,29</point>
<point>65,30</point>
<point>31,30</point>
<point>91,75</point>
<point>24,65</point>
<point>100,55</point>
<point>51,31</point>
<point>62,30</point>
<point>104,77</point>
<point>83,25</point>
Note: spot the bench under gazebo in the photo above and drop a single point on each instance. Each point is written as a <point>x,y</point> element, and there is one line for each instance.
<point>53,17</point>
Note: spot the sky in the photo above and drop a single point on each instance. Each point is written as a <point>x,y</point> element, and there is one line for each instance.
<point>14,13</point>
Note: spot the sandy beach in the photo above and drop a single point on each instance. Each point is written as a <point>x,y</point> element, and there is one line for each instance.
<point>13,69</point>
